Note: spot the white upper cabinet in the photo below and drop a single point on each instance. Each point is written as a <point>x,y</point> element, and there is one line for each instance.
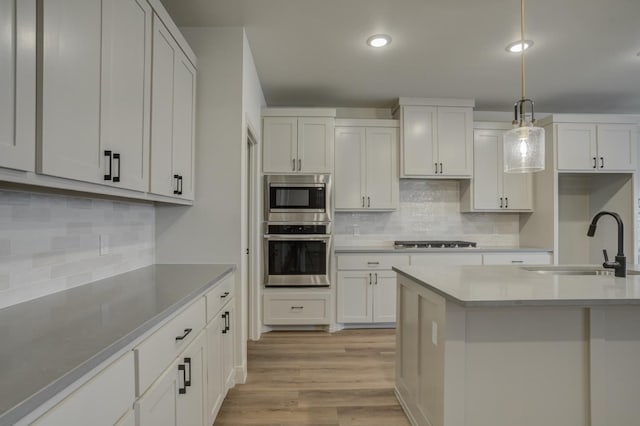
<point>491,188</point>
<point>297,144</point>
<point>17,84</point>
<point>366,170</point>
<point>126,90</point>
<point>596,147</point>
<point>173,117</point>
<point>71,65</point>
<point>436,141</point>
<point>95,91</point>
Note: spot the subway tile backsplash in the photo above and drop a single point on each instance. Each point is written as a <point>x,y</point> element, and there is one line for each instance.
<point>429,210</point>
<point>49,243</point>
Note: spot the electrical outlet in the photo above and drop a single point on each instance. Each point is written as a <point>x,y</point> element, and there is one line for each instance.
<point>104,244</point>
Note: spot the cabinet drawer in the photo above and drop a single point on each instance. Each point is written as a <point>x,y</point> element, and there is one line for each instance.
<point>296,309</point>
<point>374,261</point>
<point>516,258</point>
<point>217,297</point>
<point>101,401</point>
<point>156,353</point>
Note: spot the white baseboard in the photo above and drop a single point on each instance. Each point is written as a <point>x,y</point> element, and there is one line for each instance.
<point>405,408</point>
<point>241,374</point>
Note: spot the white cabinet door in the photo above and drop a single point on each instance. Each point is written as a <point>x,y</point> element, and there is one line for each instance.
<point>228,345</point>
<point>384,296</point>
<point>159,405</point>
<point>487,172</point>
<point>350,175</point>
<point>315,145</point>
<point>191,404</point>
<point>517,191</point>
<point>355,296</point>
<point>126,85</point>
<point>576,144</point>
<point>382,184</point>
<point>184,106</point>
<point>419,141</point>
<point>455,141</point>
<point>616,147</point>
<point>18,84</point>
<point>164,59</point>
<point>446,259</point>
<point>280,144</point>
<point>70,94</point>
<point>215,384</point>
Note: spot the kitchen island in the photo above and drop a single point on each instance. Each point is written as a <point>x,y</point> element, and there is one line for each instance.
<point>508,345</point>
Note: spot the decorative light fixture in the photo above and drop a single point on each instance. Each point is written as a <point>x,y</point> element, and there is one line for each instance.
<point>516,46</point>
<point>523,146</point>
<point>379,40</point>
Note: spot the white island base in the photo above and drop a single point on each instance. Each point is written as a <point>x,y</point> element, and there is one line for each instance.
<point>506,365</point>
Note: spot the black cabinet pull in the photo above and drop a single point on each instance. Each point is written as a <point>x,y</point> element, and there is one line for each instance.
<point>227,322</point>
<point>224,328</point>
<point>294,164</point>
<point>501,202</point>
<point>226,293</point>
<point>177,190</point>
<point>107,153</point>
<point>595,164</point>
<point>370,274</point>
<point>182,389</point>
<point>436,164</point>
<point>187,382</point>
<point>440,168</point>
<point>376,282</point>
<point>297,307</point>
<point>506,202</point>
<point>368,201</point>
<point>186,333</point>
<point>116,178</point>
<point>602,162</point>
<point>180,183</point>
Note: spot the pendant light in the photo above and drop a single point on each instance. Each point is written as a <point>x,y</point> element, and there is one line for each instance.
<point>524,144</point>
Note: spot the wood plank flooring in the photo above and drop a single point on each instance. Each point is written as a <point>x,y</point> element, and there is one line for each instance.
<point>317,378</point>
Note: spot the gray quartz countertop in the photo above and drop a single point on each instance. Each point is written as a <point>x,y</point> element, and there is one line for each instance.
<point>50,342</point>
<point>487,286</point>
<point>390,249</point>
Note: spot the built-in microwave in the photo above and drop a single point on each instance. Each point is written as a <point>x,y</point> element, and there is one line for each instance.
<point>297,198</point>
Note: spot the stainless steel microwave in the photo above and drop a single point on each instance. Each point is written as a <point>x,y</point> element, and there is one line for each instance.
<point>297,198</point>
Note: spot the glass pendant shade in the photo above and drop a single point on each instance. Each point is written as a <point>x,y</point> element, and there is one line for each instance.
<point>524,149</point>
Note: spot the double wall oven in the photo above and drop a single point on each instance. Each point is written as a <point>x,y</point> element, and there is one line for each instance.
<point>297,239</point>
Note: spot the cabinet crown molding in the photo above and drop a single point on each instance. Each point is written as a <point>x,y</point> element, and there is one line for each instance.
<point>298,112</point>
<point>591,118</point>
<point>444,102</point>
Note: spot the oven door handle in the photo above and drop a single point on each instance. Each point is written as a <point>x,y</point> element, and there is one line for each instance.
<point>306,237</point>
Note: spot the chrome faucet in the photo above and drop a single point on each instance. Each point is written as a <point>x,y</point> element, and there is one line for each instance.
<point>620,264</point>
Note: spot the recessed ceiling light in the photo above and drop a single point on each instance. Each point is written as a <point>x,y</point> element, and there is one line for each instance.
<point>379,40</point>
<point>516,46</point>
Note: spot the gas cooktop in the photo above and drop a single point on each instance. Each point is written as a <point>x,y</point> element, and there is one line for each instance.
<point>432,244</point>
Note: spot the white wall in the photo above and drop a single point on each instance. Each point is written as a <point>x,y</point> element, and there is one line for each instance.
<point>49,242</point>
<point>213,230</point>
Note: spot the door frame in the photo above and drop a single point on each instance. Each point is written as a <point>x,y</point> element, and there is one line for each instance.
<point>253,230</point>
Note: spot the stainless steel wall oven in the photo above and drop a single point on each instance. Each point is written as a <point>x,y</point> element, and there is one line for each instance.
<point>297,255</point>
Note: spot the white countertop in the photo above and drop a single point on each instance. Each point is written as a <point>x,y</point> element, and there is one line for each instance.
<point>472,286</point>
<point>374,248</point>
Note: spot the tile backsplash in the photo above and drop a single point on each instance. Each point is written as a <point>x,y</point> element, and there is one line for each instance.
<point>429,210</point>
<point>49,243</point>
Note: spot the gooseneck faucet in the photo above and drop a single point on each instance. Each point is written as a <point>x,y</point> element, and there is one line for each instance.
<point>620,264</point>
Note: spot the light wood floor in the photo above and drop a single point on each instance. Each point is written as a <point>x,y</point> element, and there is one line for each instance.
<point>317,378</point>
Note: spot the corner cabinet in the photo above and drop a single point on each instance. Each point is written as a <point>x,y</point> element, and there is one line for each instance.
<point>591,147</point>
<point>298,144</point>
<point>173,117</point>
<point>436,140</point>
<point>491,189</point>
<point>366,165</point>
<point>95,96</point>
<point>17,85</point>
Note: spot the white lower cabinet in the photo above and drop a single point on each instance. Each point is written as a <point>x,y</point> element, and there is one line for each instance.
<point>446,259</point>
<point>215,382</point>
<point>366,287</point>
<point>516,258</point>
<point>296,308</point>
<point>103,400</point>
<point>177,397</point>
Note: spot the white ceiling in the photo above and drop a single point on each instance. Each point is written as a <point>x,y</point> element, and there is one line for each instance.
<point>313,52</point>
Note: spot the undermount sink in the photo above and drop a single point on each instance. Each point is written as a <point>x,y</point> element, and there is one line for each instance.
<point>574,270</point>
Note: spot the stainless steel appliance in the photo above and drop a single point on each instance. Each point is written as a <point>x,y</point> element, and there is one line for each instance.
<point>432,244</point>
<point>297,198</point>
<point>297,255</point>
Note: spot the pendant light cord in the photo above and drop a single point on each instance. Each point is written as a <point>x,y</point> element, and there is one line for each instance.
<point>522,111</point>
